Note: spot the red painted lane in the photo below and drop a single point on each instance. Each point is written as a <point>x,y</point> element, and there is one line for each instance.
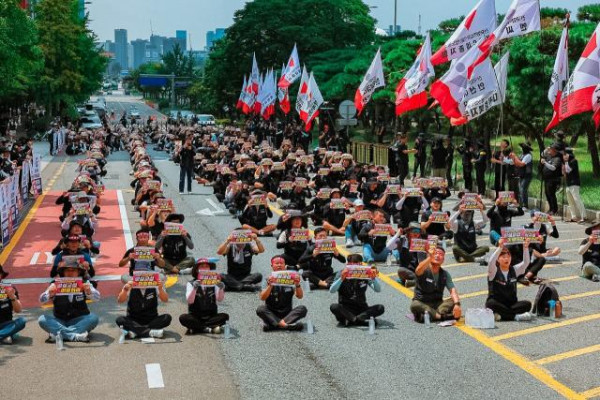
<point>42,234</point>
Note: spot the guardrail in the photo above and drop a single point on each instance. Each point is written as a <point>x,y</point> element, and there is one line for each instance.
<point>369,153</point>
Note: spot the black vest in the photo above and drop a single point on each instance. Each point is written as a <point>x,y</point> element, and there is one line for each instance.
<point>352,292</point>
<point>427,289</point>
<point>143,307</point>
<point>503,289</point>
<point>205,302</point>
<point>280,299</point>
<point>573,178</point>
<point>67,310</point>
<point>466,237</point>
<point>240,271</point>
<point>6,310</point>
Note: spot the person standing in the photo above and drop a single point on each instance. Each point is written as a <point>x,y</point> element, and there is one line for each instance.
<point>524,170</point>
<point>449,160</point>
<point>500,167</point>
<point>551,175</point>
<point>401,151</point>
<point>186,165</point>
<point>571,172</point>
<point>466,151</point>
<point>420,155</point>
<point>439,153</point>
<point>480,163</point>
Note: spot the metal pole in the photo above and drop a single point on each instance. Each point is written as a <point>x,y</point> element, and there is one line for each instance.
<point>395,15</point>
<point>172,91</point>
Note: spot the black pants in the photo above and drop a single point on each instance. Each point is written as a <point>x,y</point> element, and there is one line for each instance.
<point>143,329</point>
<point>402,173</point>
<point>406,274</point>
<point>449,173</point>
<point>513,186</point>
<point>244,285</point>
<point>272,318</point>
<point>551,186</point>
<point>185,172</point>
<point>198,323</point>
<point>356,313</point>
<point>314,279</point>
<point>468,177</point>
<point>480,173</point>
<point>499,180</point>
<point>419,165</point>
<point>507,313</point>
<point>536,266</point>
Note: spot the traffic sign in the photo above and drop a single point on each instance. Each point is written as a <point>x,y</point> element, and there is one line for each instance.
<point>347,109</point>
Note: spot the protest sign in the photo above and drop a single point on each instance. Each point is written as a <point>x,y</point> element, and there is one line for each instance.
<point>513,235</point>
<point>68,286</point>
<point>506,197</point>
<point>173,229</point>
<point>337,204</point>
<point>285,278</point>
<point>240,237</point>
<point>323,171</point>
<point>208,278</point>
<point>145,279</point>
<point>258,200</point>
<point>286,185</point>
<point>165,205</point>
<point>3,290</point>
<point>299,235</point>
<point>412,192</point>
<point>143,253</point>
<point>382,229</point>
<point>439,217</point>
<point>324,193</point>
<point>325,245</point>
<point>301,182</point>
<point>337,167</point>
<point>358,272</point>
<point>470,201</point>
<point>393,189</point>
<point>364,215</point>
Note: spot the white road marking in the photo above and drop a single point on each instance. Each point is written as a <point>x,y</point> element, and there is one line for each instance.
<point>49,257</point>
<point>155,378</point>
<point>34,258</point>
<point>125,221</point>
<point>25,281</point>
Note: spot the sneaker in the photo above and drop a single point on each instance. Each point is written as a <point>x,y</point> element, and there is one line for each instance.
<point>80,337</point>
<point>349,243</point>
<point>497,317</point>
<point>595,278</point>
<point>298,326</point>
<point>182,193</point>
<point>156,333</point>
<point>217,330</point>
<point>410,283</point>
<point>7,340</point>
<point>526,316</point>
<point>206,330</point>
<point>267,328</point>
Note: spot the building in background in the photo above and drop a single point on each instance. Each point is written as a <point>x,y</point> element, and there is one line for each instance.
<point>181,37</point>
<point>121,48</point>
<point>139,52</point>
<point>153,54</point>
<point>213,36</point>
<point>129,56</point>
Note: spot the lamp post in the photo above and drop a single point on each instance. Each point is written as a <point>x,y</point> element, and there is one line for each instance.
<point>395,16</point>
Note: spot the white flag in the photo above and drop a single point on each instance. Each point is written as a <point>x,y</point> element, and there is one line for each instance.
<point>501,70</point>
<point>560,76</point>
<point>292,71</point>
<point>411,90</point>
<point>301,99</point>
<point>526,18</point>
<point>255,75</point>
<point>314,99</point>
<point>373,79</point>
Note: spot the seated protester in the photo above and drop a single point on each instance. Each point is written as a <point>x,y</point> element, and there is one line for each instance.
<point>174,248</point>
<point>317,266</point>
<point>143,240</point>
<point>432,279</point>
<point>290,210</point>
<point>500,217</point>
<point>351,188</point>
<point>73,248</point>
<point>589,250</point>
<point>71,318</point>
<point>442,231</point>
<point>87,244</point>
<point>299,195</point>
<point>353,227</point>
<point>334,218</point>
<point>441,193</point>
<point>409,208</point>
<point>387,202</point>
<point>378,248</point>
<point>502,285</point>
<point>9,326</point>
<point>465,247</point>
<point>538,251</point>
<point>352,307</point>
<point>409,261</point>
<point>203,315</point>
<point>278,311</point>
<point>142,319</point>
<point>371,193</point>
<point>255,218</point>
<point>156,221</point>
<point>316,207</point>
<point>239,277</point>
<point>292,250</point>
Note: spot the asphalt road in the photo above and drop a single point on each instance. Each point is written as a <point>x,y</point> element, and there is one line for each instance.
<point>402,360</point>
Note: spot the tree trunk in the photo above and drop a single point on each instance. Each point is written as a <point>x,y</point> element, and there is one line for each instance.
<point>593,148</point>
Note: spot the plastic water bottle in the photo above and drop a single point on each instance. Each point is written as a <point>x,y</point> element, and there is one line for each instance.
<point>427,319</point>
<point>371,326</point>
<point>227,331</point>
<point>552,305</point>
<point>59,342</point>
<point>122,336</point>
<point>388,262</point>
<point>306,284</point>
<point>310,329</point>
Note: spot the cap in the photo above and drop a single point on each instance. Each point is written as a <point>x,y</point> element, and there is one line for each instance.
<point>414,227</point>
<point>358,202</point>
<point>179,217</point>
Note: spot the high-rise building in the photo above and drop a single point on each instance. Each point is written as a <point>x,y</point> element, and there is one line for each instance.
<point>181,37</point>
<point>129,56</point>
<point>153,54</point>
<point>121,48</point>
<point>213,36</point>
<point>169,45</point>
<point>139,52</point>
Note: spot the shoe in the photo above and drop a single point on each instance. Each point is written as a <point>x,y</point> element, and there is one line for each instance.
<point>51,339</point>
<point>595,278</point>
<point>267,328</point>
<point>216,330</point>
<point>526,316</point>
<point>349,243</point>
<point>581,221</point>
<point>523,281</point>
<point>410,283</point>
<point>298,326</point>
<point>206,330</point>
<point>182,193</point>
<point>483,263</point>
<point>81,337</point>
<point>497,317</point>
<point>156,333</point>
<point>7,340</point>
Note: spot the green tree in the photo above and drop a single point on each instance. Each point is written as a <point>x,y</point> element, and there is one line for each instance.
<point>590,13</point>
<point>450,25</point>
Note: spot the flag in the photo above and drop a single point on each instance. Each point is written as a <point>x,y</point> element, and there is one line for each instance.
<point>411,90</point>
<point>560,75</point>
<point>269,96</point>
<point>283,96</point>
<point>526,19</point>
<point>301,99</point>
<point>255,75</point>
<point>373,79</point>
<point>248,99</point>
<point>24,4</point>
<point>259,94</point>
<point>240,102</point>
<point>480,22</point>
<point>292,71</point>
<point>314,99</point>
<point>579,92</point>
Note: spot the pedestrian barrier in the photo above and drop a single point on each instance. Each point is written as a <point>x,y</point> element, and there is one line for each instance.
<point>369,153</point>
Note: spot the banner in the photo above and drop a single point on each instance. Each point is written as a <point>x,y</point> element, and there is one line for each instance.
<point>81,208</point>
<point>373,79</point>
<point>324,193</point>
<point>337,204</point>
<point>325,245</point>
<point>470,201</point>
<point>412,192</point>
<point>208,278</point>
<point>299,235</point>
<point>258,200</point>
<point>285,278</point>
<point>173,229</point>
<point>541,217</point>
<point>3,290</point>
<point>36,174</point>
<point>364,215</point>
<point>513,235</point>
<point>143,253</point>
<point>358,272</point>
<point>240,237</point>
<point>438,217</point>
<point>165,205</point>
<point>382,230</point>
<point>68,286</point>
<point>145,279</point>
<point>393,189</point>
<point>286,185</point>
<point>506,197</point>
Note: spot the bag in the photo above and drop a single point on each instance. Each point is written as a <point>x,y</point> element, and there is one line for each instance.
<point>546,292</point>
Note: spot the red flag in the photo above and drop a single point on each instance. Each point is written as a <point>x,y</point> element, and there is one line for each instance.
<point>292,72</point>
<point>240,102</point>
<point>283,96</point>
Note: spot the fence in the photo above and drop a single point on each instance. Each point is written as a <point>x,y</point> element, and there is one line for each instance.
<point>370,153</point>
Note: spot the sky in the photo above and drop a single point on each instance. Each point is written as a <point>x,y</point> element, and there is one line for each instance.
<point>200,16</point>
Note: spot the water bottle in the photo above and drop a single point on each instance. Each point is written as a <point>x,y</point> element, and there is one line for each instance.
<point>227,332</point>
<point>371,326</point>
<point>389,260</point>
<point>552,305</point>
<point>122,336</point>
<point>59,342</point>
<point>427,319</point>
<point>306,284</point>
<point>310,329</point>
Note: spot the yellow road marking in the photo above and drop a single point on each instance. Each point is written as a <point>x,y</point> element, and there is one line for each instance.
<point>568,354</point>
<point>588,394</point>
<point>551,266</point>
<point>580,295</point>
<point>545,327</point>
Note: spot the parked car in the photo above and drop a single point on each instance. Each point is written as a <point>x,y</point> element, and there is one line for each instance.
<point>183,114</point>
<point>133,111</point>
<point>91,122</point>
<point>206,119</point>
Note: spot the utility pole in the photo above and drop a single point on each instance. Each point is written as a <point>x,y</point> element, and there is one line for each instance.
<point>395,16</point>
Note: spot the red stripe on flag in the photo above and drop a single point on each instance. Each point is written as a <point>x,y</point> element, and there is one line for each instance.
<point>591,46</point>
<point>577,103</point>
<point>555,115</point>
<point>358,101</point>
<point>441,93</point>
<point>470,18</point>
<point>440,56</point>
<point>412,103</point>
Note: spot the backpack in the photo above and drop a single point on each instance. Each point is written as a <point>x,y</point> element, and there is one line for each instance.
<point>546,292</point>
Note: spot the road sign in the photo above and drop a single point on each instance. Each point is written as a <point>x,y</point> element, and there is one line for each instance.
<point>347,109</point>
<point>347,122</point>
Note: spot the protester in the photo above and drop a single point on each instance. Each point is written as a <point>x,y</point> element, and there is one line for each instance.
<point>551,175</point>
<point>524,170</point>
<point>589,250</point>
<point>186,165</point>
<point>500,216</point>
<point>239,275</point>
<point>573,181</point>
<point>173,248</point>
<point>317,266</point>
<point>9,325</point>
<point>462,223</point>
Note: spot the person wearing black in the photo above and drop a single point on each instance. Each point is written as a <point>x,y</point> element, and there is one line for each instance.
<point>278,311</point>
<point>439,154</point>
<point>524,171</point>
<point>10,326</point>
<point>500,167</point>
<point>371,193</point>
<point>551,175</point>
<point>466,151</point>
<point>480,163</point>
<point>143,239</point>
<point>317,267</point>
<point>449,160</point>
<point>441,230</point>
<point>540,251</point>
<point>401,152</point>
<point>186,165</point>
<point>502,285</point>
<point>571,172</point>
<point>465,247</point>
<point>255,218</point>
<point>409,260</point>
<point>203,315</point>
<point>239,277</point>
<point>500,216</point>
<point>142,319</point>
<point>409,208</point>
<point>589,250</point>
<point>174,248</point>
<point>352,307</point>
<point>420,155</point>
